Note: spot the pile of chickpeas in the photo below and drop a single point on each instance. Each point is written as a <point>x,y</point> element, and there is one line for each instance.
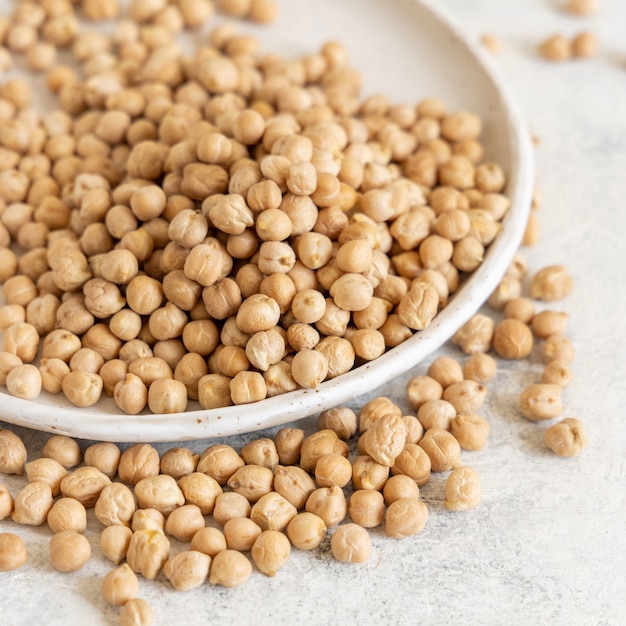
<point>221,226</point>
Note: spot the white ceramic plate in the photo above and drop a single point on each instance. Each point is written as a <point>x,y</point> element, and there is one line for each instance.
<point>408,50</point>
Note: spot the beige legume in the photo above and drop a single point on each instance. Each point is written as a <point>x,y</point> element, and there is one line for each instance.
<point>463,490</point>
<point>12,552</point>
<point>566,437</point>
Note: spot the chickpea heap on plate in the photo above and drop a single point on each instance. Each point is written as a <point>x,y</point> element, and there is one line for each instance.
<point>220,226</point>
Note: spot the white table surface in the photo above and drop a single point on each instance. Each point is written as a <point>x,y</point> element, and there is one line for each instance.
<point>547,545</point>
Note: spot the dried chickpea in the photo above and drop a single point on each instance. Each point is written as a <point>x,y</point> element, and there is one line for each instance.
<point>229,568</point>
<point>147,552</point>
<point>436,413</point>
<point>184,522</point>
<point>546,323</point>
<point>209,540</point>
<point>136,612</point>
<point>32,504</point>
<point>541,401</point>
<point>270,551</point>
<point>470,430</point>
<point>581,7</point>
<point>351,543</point>
<point>137,462</point>
<point>368,474</point>
<point>67,514</point>
<point>512,339</point>
<point>64,450</point>
<point>13,453</point>
<point>522,309</point>
<point>329,503</point>
<point>82,388</point>
<point>421,389</point>
<point>466,396</point>
<point>445,370</point>
<point>104,456</point>
<point>147,519</point>
<point>252,481</point>
<point>120,585</point>
<point>559,348</point>
<point>115,505</point>
<point>6,502</point>
<point>405,517</point>
<point>367,508</point>
<point>463,490</point>
<point>555,48</point>
<point>442,448</point>
<point>220,461</point>
<point>12,552</point>
<point>551,283</point>
<point>557,373</point>
<point>565,438</point>
<point>187,570</point>
<point>84,484</point>
<point>229,505</point>
<point>476,335</point>
<point>341,420</point>
<point>241,533</point>
<point>69,551</point>
<point>48,471</point>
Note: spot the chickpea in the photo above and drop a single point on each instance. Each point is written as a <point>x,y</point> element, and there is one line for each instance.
<point>48,471</point>
<point>12,552</point>
<point>351,543</point>
<point>6,502</point>
<point>558,348</point>
<point>446,371</point>
<point>159,492</point>
<point>329,503</point>
<point>557,373</point>
<point>120,585</point>
<point>405,517</point>
<point>147,552</point>
<point>385,439</point>
<point>64,450</point>
<point>555,48</point>
<point>209,540</point>
<point>184,522</point>
<point>220,461</point>
<point>187,570</point>
<point>229,568</point>
<point>541,401</point>
<point>147,519</point>
<point>13,453</point>
<point>480,367</point>
<point>115,505</point>
<point>179,462</point>
<point>104,456</point>
<point>413,462</point>
<point>136,612</point>
<point>436,413</point>
<point>69,551</point>
<point>32,504</point>
<point>82,388</point>
<point>566,438</point>
<point>399,487</point>
<point>551,283</point>
<point>367,508</point>
<point>137,462</point>
<point>463,490</point>
<point>476,335</point>
<point>548,323</point>
<point>470,430</point>
<point>466,396</point>
<point>270,551</point>
<point>85,485</point>
<point>341,420</point>
<point>512,339</point>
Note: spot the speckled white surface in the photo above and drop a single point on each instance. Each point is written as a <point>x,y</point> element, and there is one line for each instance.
<point>547,545</point>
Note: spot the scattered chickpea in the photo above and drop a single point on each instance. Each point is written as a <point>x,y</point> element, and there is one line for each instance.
<point>136,612</point>
<point>120,585</point>
<point>463,490</point>
<point>187,570</point>
<point>69,551</point>
<point>541,401</point>
<point>512,339</point>
<point>555,48</point>
<point>114,542</point>
<point>12,552</point>
<point>480,367</point>
<point>351,543</point>
<point>551,283</point>
<point>13,453</point>
<point>229,568</point>
<point>566,437</point>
